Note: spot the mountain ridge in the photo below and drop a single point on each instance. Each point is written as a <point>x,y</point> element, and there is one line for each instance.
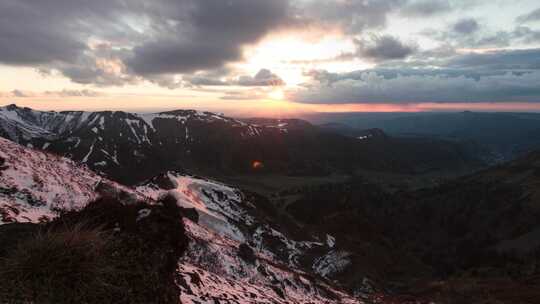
<point>131,148</point>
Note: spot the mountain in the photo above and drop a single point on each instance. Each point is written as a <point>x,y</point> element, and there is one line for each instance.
<point>238,252</point>
<point>497,136</point>
<point>127,147</point>
<point>346,130</point>
<point>34,185</point>
<point>131,148</point>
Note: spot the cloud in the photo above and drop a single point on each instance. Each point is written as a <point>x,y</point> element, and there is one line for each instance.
<point>500,76</point>
<point>353,17</point>
<point>207,34</point>
<point>527,35</point>
<point>507,60</point>
<point>42,32</point>
<point>222,78</point>
<point>251,94</point>
<point>530,17</point>
<point>374,88</point>
<point>65,93</point>
<point>116,42</point>
<point>380,48</point>
<point>19,93</point>
<point>30,35</point>
<point>426,8</point>
<point>59,35</point>
<point>467,33</point>
<point>74,93</point>
<point>195,42</point>
<point>263,78</point>
<point>433,8</point>
<point>466,26</point>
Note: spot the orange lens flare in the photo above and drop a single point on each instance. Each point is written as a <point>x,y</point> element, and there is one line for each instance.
<point>257,165</point>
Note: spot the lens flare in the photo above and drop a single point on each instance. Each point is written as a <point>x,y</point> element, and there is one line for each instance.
<point>257,165</point>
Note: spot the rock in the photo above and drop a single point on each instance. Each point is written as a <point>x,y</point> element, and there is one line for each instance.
<point>246,253</point>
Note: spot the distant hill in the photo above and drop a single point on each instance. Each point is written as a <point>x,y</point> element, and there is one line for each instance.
<point>476,236</point>
<point>504,135</point>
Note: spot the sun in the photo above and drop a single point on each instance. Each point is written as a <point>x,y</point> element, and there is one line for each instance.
<point>276,94</point>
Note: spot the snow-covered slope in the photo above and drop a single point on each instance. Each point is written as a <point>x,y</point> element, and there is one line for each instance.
<point>216,204</point>
<point>214,268</point>
<point>34,185</point>
<point>238,255</point>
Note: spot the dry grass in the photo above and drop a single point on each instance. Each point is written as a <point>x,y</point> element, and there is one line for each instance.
<point>58,266</point>
<point>82,258</point>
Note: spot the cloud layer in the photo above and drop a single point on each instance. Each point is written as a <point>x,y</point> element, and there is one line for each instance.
<point>114,42</point>
<point>502,76</point>
<point>455,56</point>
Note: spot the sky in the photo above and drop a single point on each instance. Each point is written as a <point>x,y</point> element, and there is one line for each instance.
<point>271,57</point>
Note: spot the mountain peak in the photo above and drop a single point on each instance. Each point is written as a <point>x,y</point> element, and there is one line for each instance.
<point>10,107</point>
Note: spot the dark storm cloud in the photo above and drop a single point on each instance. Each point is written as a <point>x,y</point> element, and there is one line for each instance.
<point>502,76</point>
<point>530,17</point>
<point>466,26</point>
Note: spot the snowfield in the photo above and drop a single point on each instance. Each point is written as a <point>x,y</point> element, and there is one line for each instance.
<point>212,269</point>
<point>216,204</point>
<point>34,184</point>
